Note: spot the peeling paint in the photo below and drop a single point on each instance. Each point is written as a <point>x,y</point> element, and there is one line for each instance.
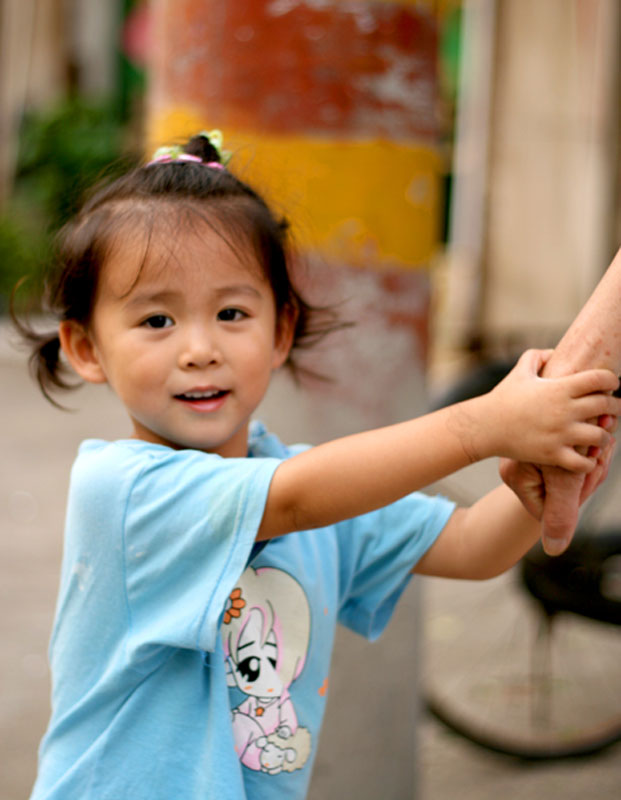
<point>400,80</point>
<point>389,310</point>
<point>278,8</point>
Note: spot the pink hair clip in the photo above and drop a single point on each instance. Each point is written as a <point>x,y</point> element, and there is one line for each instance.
<point>170,155</point>
<point>165,155</point>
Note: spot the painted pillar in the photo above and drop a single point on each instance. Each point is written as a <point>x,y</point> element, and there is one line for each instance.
<point>330,108</point>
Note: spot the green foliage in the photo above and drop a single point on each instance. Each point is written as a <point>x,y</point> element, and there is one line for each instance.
<point>22,255</point>
<point>63,152</point>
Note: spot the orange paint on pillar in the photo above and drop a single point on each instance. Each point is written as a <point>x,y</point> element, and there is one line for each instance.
<point>288,67</point>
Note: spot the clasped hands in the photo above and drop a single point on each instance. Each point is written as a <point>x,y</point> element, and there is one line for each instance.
<point>554,495</point>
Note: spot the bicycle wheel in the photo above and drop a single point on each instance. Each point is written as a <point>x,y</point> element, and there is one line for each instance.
<point>508,666</point>
<point>512,679</point>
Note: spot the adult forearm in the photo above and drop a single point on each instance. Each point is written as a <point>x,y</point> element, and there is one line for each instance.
<point>593,340</point>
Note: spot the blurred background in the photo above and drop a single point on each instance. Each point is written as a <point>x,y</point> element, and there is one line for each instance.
<point>452,172</point>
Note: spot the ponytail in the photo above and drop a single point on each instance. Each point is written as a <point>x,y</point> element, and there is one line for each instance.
<point>45,363</point>
<point>47,367</point>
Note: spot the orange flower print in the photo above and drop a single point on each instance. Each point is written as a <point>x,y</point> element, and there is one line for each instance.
<point>234,605</point>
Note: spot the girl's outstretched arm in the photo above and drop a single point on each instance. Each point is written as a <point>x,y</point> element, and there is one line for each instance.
<point>482,541</point>
<point>524,414</point>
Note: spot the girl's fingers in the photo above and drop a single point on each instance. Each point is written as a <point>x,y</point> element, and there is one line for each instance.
<point>595,478</point>
<point>597,405</point>
<point>531,362</point>
<point>573,461</point>
<point>544,356</point>
<point>592,380</point>
<point>612,406</point>
<point>585,434</point>
<point>608,422</point>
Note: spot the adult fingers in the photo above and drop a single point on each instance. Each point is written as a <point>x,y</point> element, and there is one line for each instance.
<point>594,479</point>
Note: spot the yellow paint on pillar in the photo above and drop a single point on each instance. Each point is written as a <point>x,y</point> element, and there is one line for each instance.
<point>368,203</point>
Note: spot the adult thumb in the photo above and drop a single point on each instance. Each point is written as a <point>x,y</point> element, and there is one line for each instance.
<point>560,510</point>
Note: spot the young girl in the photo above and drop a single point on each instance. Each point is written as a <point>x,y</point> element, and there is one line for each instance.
<point>187,660</point>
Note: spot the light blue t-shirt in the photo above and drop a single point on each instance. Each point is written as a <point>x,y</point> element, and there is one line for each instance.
<point>184,662</point>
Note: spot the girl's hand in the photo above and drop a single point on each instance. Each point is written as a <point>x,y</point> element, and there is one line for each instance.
<point>527,480</point>
<point>542,420</point>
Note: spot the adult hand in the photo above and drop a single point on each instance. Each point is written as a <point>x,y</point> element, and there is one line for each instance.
<point>545,491</point>
<point>592,340</point>
<point>564,492</point>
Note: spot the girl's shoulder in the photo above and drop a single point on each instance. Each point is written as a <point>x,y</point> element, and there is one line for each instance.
<point>130,453</point>
<point>125,461</point>
<point>122,449</point>
<point>263,444</point>
<point>131,461</point>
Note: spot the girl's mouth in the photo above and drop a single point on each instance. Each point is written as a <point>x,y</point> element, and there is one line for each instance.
<point>204,400</point>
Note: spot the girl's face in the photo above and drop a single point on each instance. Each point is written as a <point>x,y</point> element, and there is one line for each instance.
<point>189,346</point>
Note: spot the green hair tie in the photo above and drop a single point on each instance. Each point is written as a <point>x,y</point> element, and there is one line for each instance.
<point>176,153</point>
<point>215,139</point>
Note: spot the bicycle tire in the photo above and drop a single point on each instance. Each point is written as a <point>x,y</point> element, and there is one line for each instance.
<point>493,697</point>
<point>546,594</point>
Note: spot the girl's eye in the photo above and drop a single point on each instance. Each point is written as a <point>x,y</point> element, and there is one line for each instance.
<point>158,321</point>
<point>231,315</point>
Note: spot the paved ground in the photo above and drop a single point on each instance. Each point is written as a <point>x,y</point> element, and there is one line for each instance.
<point>38,444</point>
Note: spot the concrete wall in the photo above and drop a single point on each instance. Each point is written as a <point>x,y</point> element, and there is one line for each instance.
<point>552,161</point>
<point>536,206</point>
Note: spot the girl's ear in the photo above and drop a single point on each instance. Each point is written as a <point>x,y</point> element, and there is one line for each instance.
<point>285,331</point>
<point>80,350</point>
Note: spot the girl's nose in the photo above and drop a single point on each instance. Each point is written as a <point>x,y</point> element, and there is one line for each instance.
<point>199,350</point>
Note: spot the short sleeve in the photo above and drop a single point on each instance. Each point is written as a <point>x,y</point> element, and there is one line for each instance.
<point>190,523</point>
<point>377,554</point>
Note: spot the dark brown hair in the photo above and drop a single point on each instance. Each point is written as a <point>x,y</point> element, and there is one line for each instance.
<point>227,204</point>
